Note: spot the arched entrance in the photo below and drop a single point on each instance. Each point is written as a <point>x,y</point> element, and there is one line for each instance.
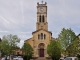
<point>41,49</point>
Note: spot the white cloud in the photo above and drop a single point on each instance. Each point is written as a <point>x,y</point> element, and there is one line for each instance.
<point>19,17</point>
<point>4,31</point>
<point>21,43</point>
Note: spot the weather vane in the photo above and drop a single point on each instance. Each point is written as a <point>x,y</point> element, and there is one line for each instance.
<point>42,1</point>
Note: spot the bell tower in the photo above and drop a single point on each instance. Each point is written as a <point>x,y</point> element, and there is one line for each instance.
<point>42,16</point>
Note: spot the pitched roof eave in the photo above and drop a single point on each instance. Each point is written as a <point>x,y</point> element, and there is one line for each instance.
<point>43,30</point>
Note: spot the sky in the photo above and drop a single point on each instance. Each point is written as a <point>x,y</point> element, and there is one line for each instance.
<point>19,17</point>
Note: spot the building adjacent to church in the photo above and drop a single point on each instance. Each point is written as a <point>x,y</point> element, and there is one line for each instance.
<point>41,37</point>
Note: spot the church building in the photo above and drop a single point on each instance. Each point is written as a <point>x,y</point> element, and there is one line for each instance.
<point>41,37</point>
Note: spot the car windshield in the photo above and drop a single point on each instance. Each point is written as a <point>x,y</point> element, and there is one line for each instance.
<point>15,56</point>
<point>68,58</point>
<point>61,59</point>
<point>19,56</point>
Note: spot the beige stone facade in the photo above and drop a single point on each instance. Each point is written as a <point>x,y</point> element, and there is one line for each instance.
<point>18,52</point>
<point>41,37</point>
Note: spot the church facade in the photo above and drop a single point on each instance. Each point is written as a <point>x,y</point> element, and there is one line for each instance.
<point>41,37</point>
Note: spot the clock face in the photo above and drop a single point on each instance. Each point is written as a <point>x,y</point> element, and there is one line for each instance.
<point>41,9</point>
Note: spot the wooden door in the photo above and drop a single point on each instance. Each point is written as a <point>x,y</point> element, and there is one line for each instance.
<point>41,52</point>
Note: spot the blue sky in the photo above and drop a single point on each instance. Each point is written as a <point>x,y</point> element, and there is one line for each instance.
<point>18,17</point>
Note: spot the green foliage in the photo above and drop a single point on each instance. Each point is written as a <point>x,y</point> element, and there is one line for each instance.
<point>53,49</point>
<point>8,42</point>
<point>78,55</point>
<point>27,50</point>
<point>66,36</point>
<point>74,48</point>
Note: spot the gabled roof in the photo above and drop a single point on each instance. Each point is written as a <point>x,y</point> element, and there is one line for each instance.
<point>43,30</point>
<point>79,36</point>
<point>27,39</point>
<point>53,38</point>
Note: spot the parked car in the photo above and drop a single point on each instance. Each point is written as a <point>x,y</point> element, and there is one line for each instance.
<point>8,57</point>
<point>17,58</point>
<point>62,58</point>
<point>3,58</point>
<point>71,58</point>
<point>20,57</point>
<point>68,58</point>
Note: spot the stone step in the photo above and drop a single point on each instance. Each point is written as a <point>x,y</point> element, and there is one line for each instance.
<point>41,58</point>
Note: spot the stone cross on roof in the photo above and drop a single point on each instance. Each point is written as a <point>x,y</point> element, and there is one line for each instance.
<point>42,1</point>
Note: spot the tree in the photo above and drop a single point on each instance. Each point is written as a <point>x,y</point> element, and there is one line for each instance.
<point>71,49</point>
<point>74,48</point>
<point>8,42</point>
<point>27,50</point>
<point>66,36</point>
<point>53,50</point>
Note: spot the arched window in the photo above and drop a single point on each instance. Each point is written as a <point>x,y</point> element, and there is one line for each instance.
<point>41,35</point>
<point>43,18</point>
<point>44,36</point>
<point>40,18</point>
<point>38,36</point>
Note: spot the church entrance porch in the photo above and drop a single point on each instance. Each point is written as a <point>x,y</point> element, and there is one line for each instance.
<point>41,49</point>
